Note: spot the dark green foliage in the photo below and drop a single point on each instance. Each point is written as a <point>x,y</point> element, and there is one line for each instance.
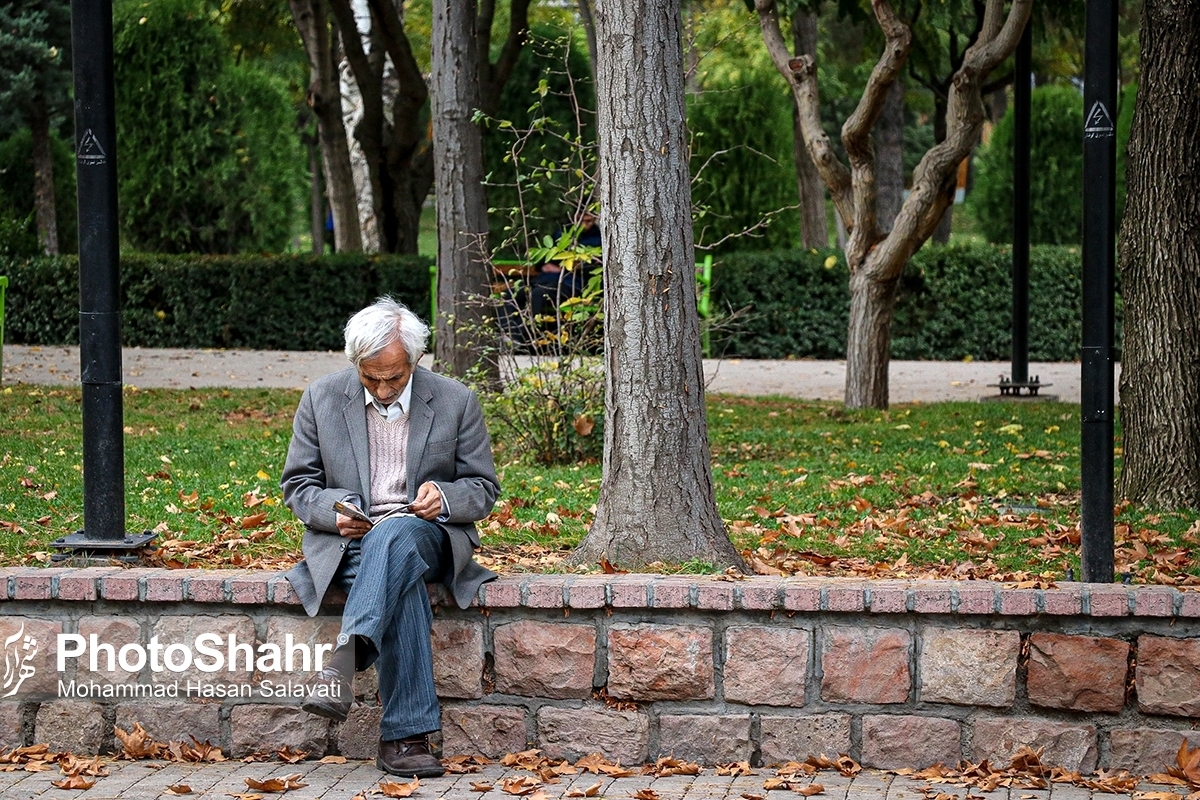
<point>208,157</point>
<point>547,115</point>
<point>265,302</point>
<point>16,195</point>
<point>1056,171</point>
<point>953,302</point>
<point>35,64</point>
<point>742,163</point>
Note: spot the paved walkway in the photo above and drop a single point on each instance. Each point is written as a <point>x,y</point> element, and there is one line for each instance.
<point>149,780</point>
<point>910,381</point>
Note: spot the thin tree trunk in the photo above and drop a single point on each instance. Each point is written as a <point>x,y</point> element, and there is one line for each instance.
<point>656,501</point>
<point>941,234</point>
<point>872,300</point>
<point>316,201</point>
<point>889,155</point>
<point>324,97</point>
<point>43,181</point>
<point>1160,265</point>
<point>814,225</point>
<point>589,29</point>
<point>463,275</point>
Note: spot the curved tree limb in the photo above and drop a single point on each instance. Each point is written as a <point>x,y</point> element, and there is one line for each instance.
<point>801,75</point>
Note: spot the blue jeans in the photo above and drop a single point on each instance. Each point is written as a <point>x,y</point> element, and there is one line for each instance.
<point>388,607</point>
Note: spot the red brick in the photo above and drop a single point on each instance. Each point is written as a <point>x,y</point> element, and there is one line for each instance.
<point>932,599</point>
<point>865,665</point>
<point>5,573</point>
<point>545,591</point>
<point>969,667</point>
<point>892,742</point>
<point>801,596</point>
<point>1067,599</point>
<point>1018,602</point>
<point>206,588</point>
<point>545,659</point>
<point>83,584</point>
<point>491,731</point>
<point>847,598</point>
<point>1080,673</point>
<point>282,593</point>
<point>630,591</point>
<point>35,584</point>
<point>1168,676</point>
<point>888,597</point>
<point>112,630</point>
<point>41,636</point>
<point>587,592</point>
<point>165,587</point>
<point>1072,747</point>
<point>1191,604</point>
<point>766,665</point>
<point>458,658</point>
<point>660,662</point>
<point>121,586</point>
<point>977,597</point>
<point>673,593</point>
<point>758,594</point>
<point>502,593</point>
<point>1154,601</point>
<point>714,595</point>
<point>250,589</point>
<point>1109,602</point>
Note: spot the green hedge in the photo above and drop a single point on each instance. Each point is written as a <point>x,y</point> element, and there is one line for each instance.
<point>264,302</point>
<point>953,303</point>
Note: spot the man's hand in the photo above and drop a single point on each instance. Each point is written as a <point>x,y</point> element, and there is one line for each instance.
<point>428,503</point>
<point>352,528</point>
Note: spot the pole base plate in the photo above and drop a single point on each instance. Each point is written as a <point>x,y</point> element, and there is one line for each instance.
<point>79,545</point>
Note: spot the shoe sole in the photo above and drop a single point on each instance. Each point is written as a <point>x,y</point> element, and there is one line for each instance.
<point>336,713</point>
<point>423,773</point>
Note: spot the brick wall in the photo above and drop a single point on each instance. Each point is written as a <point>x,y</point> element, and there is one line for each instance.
<point>636,666</point>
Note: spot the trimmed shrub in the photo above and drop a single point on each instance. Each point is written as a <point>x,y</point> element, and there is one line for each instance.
<point>296,302</point>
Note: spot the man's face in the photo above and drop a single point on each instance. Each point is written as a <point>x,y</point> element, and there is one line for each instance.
<point>386,374</point>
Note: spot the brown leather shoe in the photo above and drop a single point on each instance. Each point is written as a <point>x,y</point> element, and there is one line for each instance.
<point>409,758</point>
<point>328,693</point>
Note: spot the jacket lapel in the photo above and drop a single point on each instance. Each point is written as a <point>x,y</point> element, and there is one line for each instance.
<point>420,421</point>
<point>356,423</point>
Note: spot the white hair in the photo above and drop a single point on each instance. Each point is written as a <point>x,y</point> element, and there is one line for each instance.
<point>380,324</point>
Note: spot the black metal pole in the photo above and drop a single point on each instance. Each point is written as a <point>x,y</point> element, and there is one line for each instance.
<point>1020,250</point>
<point>99,283</point>
<point>1099,269</point>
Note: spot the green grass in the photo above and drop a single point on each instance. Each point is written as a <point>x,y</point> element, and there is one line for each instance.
<point>805,487</point>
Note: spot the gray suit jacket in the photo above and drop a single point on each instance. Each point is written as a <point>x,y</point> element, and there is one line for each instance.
<point>329,459</point>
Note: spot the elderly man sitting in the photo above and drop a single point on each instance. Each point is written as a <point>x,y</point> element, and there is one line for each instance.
<point>394,440</point>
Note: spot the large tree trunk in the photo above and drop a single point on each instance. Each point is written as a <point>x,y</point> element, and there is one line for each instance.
<point>463,274</point>
<point>325,99</point>
<point>869,340</point>
<point>889,147</point>
<point>1160,265</point>
<point>657,501</point>
<point>814,226</point>
<point>43,180</point>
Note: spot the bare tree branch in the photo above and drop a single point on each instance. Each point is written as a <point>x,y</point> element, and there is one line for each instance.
<point>856,132</point>
<point>801,75</point>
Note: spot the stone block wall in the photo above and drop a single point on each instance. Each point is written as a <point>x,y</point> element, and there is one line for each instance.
<point>636,666</point>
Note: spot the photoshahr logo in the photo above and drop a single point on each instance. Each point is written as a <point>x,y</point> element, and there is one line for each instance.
<point>19,651</point>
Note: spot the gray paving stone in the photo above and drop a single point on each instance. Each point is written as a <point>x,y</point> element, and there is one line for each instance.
<point>122,775</point>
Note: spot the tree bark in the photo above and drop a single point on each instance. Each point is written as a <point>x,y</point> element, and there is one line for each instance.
<point>889,137</point>
<point>589,29</point>
<point>316,200</point>
<point>463,273</point>
<point>814,226</point>
<point>325,99</point>
<point>657,501</point>
<point>1160,265</point>
<point>43,179</point>
<point>880,255</point>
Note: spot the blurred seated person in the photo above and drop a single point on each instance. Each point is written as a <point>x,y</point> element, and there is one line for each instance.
<point>562,275</point>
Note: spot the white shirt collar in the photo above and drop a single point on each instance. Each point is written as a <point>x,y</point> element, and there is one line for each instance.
<point>398,407</point>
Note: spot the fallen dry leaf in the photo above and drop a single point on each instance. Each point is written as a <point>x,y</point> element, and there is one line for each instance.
<point>284,784</point>
<point>523,785</point>
<point>399,789</point>
<point>178,790</point>
<point>333,760</point>
<point>644,794</point>
<point>73,782</point>
<point>291,756</point>
<point>736,769</point>
<point>590,791</point>
<point>481,787</point>
<point>810,790</point>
